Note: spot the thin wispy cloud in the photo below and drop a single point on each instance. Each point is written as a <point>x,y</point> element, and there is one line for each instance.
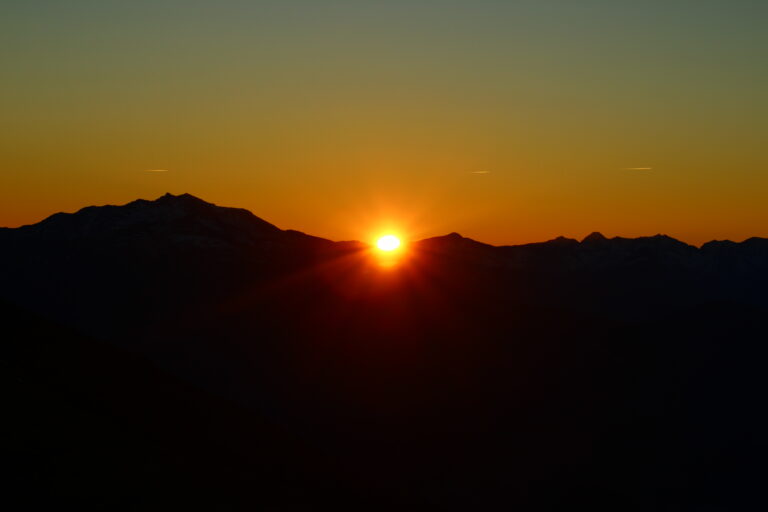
<point>481,172</point>
<point>637,169</point>
<point>156,170</point>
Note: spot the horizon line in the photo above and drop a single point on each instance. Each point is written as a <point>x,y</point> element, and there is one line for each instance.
<point>599,233</point>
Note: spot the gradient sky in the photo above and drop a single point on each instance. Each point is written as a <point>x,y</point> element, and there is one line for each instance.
<point>507,121</point>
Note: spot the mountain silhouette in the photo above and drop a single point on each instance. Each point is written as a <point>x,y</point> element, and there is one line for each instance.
<point>178,354</point>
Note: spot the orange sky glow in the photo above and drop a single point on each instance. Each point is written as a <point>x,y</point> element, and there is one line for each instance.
<point>508,122</point>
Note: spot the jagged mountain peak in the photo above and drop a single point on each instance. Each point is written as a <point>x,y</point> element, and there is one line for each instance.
<point>594,237</point>
<point>562,241</point>
<point>175,214</point>
<point>183,201</point>
<point>181,198</point>
<point>453,239</point>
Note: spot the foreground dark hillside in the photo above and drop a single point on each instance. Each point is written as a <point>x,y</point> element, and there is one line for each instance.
<point>91,426</point>
<point>174,354</point>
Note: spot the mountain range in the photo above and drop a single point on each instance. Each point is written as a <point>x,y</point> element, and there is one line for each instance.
<point>180,354</point>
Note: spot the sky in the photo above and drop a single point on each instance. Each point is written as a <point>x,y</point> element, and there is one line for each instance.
<point>506,121</point>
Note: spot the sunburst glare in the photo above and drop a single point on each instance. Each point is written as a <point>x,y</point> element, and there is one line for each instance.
<point>388,243</point>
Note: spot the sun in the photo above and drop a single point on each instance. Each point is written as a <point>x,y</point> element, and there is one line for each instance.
<point>388,243</point>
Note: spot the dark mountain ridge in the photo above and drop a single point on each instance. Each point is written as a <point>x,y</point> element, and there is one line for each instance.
<point>602,373</point>
<point>185,220</point>
<point>190,220</point>
<point>147,262</point>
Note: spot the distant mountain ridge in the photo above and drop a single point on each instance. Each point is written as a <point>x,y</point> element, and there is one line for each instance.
<point>305,374</point>
<point>95,221</point>
<point>89,220</point>
<point>190,240</point>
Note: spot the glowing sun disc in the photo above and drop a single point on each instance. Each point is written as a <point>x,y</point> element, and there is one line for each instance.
<point>388,243</point>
